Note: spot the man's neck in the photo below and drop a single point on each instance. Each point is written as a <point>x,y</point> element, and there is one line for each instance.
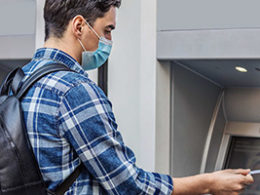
<point>60,44</point>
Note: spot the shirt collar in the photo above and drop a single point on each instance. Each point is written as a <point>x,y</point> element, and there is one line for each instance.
<point>58,56</point>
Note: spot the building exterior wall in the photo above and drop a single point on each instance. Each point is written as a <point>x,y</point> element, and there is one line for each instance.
<point>132,78</point>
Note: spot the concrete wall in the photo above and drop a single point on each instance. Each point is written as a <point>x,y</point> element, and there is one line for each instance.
<point>163,117</point>
<point>132,78</point>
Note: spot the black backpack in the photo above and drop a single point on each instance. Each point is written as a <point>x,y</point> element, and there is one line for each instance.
<point>19,170</point>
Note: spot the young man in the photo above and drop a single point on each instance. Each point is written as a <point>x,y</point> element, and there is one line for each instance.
<point>70,120</point>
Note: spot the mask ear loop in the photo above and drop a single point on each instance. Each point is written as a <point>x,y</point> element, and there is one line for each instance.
<point>100,38</point>
<point>91,28</point>
<point>82,44</point>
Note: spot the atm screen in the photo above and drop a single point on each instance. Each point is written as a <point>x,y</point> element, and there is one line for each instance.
<point>244,152</point>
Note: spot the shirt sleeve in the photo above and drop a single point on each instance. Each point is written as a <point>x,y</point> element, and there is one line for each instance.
<point>89,124</point>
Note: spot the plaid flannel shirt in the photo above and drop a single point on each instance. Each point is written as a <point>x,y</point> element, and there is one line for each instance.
<point>70,121</point>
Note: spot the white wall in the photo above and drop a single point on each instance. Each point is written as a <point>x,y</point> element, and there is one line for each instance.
<point>123,73</point>
<point>40,30</point>
<point>148,65</point>
<point>17,17</point>
<point>131,79</point>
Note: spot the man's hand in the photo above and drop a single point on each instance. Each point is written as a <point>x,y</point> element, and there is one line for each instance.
<point>230,182</point>
<point>226,182</point>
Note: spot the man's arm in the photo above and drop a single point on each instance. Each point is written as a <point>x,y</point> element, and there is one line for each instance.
<point>86,120</point>
<point>222,182</point>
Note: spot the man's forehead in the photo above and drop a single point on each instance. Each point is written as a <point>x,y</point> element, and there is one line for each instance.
<point>110,16</point>
<point>109,19</point>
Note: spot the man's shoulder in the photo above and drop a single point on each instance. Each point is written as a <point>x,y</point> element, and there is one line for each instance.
<point>64,82</point>
<point>79,85</point>
<point>61,82</point>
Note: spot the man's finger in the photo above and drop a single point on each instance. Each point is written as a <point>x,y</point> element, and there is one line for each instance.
<point>244,172</point>
<point>249,179</point>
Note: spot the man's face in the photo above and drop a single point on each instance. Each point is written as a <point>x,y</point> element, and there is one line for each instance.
<point>103,26</point>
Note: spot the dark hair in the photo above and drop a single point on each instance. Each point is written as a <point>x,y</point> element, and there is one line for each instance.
<point>58,13</point>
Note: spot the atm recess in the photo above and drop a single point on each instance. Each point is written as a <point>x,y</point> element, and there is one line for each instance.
<point>225,73</point>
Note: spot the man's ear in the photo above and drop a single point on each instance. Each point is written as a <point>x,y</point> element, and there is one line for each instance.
<point>78,23</point>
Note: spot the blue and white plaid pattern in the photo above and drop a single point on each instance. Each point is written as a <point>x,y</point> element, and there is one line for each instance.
<point>70,120</point>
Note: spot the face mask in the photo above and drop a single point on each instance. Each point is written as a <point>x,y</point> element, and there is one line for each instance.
<point>92,60</point>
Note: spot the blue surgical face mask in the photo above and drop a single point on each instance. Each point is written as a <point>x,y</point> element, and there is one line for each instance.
<point>95,59</point>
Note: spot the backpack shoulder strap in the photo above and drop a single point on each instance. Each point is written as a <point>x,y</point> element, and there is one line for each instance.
<point>12,82</point>
<point>38,74</point>
<point>65,185</point>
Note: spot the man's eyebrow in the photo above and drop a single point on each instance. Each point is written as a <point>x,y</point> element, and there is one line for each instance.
<point>111,26</point>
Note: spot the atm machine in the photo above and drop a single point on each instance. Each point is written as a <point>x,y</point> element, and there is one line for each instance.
<point>209,52</point>
<point>229,137</point>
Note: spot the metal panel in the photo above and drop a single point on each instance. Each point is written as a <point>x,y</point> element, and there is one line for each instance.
<point>193,103</point>
<point>209,44</point>
<point>205,14</point>
<point>207,154</point>
<point>235,129</point>
<point>242,104</point>
<point>216,141</point>
<point>224,72</point>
